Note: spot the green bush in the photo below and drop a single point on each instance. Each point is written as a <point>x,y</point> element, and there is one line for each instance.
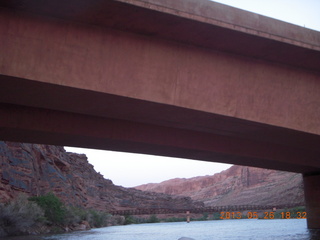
<point>116,220</point>
<point>216,216</point>
<point>54,210</point>
<point>99,219</point>
<point>75,215</point>
<point>204,217</point>
<point>19,215</point>
<point>153,219</point>
<point>175,219</point>
<point>130,220</point>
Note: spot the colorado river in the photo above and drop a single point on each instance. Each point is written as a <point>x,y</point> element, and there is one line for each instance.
<point>293,229</point>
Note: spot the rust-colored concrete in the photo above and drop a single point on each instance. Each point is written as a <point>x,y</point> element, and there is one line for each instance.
<point>183,78</point>
<point>312,196</point>
<point>54,127</point>
<point>158,70</point>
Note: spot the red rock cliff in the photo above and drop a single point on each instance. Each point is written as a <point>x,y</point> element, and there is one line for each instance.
<point>237,186</point>
<point>38,169</point>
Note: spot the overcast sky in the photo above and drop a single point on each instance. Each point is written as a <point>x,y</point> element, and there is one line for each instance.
<point>131,170</point>
<point>305,13</point>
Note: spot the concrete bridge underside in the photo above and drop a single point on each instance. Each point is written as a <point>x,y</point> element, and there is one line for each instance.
<point>191,79</point>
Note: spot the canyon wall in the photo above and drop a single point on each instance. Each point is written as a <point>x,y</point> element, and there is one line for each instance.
<point>38,169</point>
<point>237,185</point>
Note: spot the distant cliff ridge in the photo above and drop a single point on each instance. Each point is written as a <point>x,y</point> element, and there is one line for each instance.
<point>237,186</point>
<point>38,169</point>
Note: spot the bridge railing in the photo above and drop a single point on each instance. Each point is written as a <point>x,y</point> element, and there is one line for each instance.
<point>213,209</point>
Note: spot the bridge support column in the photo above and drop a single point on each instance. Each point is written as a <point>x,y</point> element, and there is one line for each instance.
<point>188,216</point>
<point>312,197</point>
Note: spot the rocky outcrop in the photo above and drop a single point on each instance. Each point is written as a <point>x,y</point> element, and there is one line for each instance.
<point>237,186</point>
<point>38,169</point>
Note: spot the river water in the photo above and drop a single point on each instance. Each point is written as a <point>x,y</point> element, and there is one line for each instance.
<point>253,229</point>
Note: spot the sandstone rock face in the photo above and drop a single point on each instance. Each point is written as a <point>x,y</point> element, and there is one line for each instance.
<point>237,186</point>
<point>38,169</point>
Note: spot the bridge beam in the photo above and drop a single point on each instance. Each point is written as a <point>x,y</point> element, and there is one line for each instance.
<point>163,78</point>
<point>312,198</point>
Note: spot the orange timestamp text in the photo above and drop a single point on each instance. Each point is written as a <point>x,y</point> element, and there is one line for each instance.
<point>263,215</point>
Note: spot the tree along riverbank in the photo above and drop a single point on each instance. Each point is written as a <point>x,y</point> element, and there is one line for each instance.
<point>47,214</point>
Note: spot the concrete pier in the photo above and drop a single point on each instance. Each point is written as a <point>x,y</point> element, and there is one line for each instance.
<point>188,216</point>
<point>312,196</point>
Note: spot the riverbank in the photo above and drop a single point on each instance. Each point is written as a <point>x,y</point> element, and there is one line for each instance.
<point>47,214</point>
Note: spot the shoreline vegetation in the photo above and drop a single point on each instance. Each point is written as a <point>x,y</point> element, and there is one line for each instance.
<point>47,214</point>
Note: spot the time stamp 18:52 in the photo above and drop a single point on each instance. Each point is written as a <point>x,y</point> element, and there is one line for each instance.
<point>263,215</point>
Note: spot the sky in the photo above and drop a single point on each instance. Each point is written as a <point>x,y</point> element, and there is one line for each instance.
<point>305,13</point>
<point>131,170</point>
